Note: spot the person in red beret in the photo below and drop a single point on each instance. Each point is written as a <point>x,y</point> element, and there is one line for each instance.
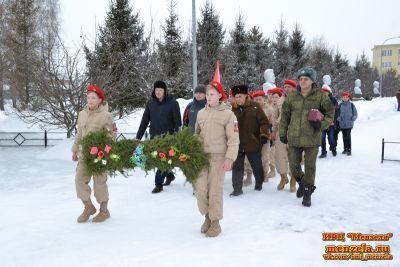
<point>258,96</point>
<point>258,93</point>
<point>281,160</point>
<point>93,118</point>
<point>96,89</point>
<point>216,125</point>
<point>289,86</point>
<point>347,115</point>
<point>270,110</point>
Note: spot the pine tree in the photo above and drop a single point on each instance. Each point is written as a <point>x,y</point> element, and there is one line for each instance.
<point>118,62</point>
<point>391,81</point>
<point>297,43</point>
<point>210,36</point>
<point>281,50</point>
<point>367,75</point>
<point>174,55</point>
<point>239,39</point>
<point>342,74</point>
<point>260,55</point>
<point>320,58</point>
<point>237,52</point>
<point>22,47</point>
<point>2,59</point>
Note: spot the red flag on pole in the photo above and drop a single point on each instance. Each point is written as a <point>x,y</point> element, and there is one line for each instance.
<point>217,77</point>
<point>216,82</point>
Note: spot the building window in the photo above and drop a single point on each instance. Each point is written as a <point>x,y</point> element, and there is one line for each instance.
<point>386,64</point>
<point>387,53</point>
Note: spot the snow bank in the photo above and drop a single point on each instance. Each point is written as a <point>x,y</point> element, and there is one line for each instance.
<point>376,109</point>
<point>61,151</point>
<point>10,122</point>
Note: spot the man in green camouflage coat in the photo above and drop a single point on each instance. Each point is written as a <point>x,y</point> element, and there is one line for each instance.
<point>301,134</point>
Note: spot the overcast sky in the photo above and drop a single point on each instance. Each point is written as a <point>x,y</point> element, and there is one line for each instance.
<point>352,26</point>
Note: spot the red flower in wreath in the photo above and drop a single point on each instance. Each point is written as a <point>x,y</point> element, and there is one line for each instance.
<point>162,155</point>
<point>94,150</point>
<point>171,152</point>
<point>100,154</point>
<point>107,149</point>
<point>183,157</point>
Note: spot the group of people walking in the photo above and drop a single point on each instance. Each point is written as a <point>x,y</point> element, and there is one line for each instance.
<point>258,132</point>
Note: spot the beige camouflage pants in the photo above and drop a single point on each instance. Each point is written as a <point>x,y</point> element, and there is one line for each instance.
<point>83,189</point>
<point>271,154</point>
<point>209,188</point>
<point>281,157</point>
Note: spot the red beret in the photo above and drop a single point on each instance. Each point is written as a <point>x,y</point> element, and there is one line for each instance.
<point>97,90</point>
<point>258,93</point>
<point>275,90</point>
<point>345,93</point>
<point>220,89</point>
<point>291,83</point>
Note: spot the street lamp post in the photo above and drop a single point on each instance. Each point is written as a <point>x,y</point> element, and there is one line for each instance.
<point>381,80</point>
<point>194,46</point>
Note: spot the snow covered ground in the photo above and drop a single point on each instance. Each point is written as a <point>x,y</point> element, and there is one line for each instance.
<point>268,228</point>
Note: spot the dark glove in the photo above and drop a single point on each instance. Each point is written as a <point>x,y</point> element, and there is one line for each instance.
<point>263,140</point>
<point>283,139</point>
<point>316,124</point>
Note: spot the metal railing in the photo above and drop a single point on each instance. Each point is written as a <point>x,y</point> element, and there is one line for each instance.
<point>124,136</point>
<point>43,139</point>
<point>383,150</point>
<point>30,139</point>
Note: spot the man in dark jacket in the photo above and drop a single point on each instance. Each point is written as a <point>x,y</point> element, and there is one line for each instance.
<point>330,131</point>
<point>198,103</point>
<point>253,127</point>
<point>164,116</point>
<point>301,134</point>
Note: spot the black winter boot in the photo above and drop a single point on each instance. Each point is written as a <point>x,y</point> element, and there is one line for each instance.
<point>300,190</point>
<point>157,189</point>
<point>258,186</point>
<point>169,178</point>
<point>334,153</point>
<point>308,190</point>
<point>236,192</point>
